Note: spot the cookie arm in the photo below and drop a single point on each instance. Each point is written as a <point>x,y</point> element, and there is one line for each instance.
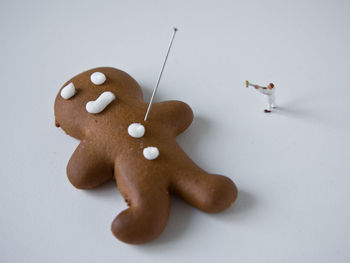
<point>87,168</point>
<point>176,115</point>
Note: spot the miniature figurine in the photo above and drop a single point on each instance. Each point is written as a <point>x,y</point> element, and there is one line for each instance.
<point>268,91</point>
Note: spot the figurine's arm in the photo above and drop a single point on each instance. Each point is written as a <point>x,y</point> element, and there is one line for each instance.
<point>262,90</point>
<point>176,115</point>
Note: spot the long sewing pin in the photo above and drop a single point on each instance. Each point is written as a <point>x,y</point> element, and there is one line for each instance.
<point>160,74</point>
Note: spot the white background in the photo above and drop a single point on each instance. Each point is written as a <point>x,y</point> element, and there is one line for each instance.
<point>291,167</point>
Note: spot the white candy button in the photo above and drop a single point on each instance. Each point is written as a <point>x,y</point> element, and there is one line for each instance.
<point>150,153</point>
<point>136,130</point>
<point>98,78</point>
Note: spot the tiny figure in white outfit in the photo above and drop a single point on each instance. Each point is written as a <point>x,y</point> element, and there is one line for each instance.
<point>269,92</point>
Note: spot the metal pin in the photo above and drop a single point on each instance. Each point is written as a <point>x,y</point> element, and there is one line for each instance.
<point>160,74</point>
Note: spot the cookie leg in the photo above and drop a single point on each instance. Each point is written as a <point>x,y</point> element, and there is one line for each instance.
<point>147,215</point>
<point>87,169</point>
<point>210,193</point>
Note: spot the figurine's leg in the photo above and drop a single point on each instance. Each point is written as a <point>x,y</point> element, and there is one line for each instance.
<point>148,212</point>
<point>86,169</point>
<point>269,104</point>
<point>208,192</point>
<point>273,101</point>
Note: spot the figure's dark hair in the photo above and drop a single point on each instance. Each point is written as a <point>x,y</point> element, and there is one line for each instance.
<point>272,86</point>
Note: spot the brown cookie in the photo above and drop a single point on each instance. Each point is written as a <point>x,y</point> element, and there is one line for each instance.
<point>98,107</point>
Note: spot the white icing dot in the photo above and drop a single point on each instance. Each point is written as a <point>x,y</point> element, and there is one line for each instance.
<point>98,78</point>
<point>98,105</point>
<point>136,130</point>
<point>68,91</point>
<point>151,153</point>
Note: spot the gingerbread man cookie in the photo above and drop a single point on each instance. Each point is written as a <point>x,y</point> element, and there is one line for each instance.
<point>104,109</point>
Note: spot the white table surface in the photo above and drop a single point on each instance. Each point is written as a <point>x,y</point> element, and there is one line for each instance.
<point>291,167</point>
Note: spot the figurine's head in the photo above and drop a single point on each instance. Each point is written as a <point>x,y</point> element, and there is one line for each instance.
<point>96,95</point>
<point>270,86</point>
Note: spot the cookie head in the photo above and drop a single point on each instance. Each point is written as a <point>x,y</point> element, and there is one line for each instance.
<point>92,95</point>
